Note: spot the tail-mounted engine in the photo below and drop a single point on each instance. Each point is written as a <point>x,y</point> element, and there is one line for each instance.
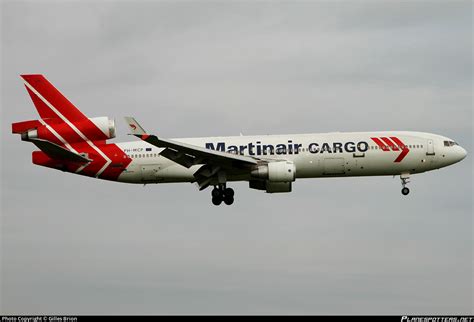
<point>90,129</point>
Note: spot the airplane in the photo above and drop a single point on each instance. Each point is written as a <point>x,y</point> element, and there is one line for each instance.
<point>70,141</point>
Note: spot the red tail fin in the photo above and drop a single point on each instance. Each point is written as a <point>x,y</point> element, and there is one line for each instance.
<point>49,102</point>
<point>62,123</point>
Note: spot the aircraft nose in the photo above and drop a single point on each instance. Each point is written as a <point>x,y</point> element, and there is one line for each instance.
<point>462,153</point>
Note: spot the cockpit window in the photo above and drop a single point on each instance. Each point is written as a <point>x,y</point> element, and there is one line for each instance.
<point>449,143</point>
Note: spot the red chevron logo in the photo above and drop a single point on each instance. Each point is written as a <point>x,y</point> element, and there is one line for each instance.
<point>394,144</point>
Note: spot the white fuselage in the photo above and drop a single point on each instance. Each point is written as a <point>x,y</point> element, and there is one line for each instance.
<point>314,155</point>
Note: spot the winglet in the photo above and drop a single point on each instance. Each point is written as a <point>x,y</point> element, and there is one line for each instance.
<point>134,126</point>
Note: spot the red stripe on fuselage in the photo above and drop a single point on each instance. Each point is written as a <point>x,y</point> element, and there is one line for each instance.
<point>404,148</point>
<point>390,144</point>
<point>395,147</point>
<point>380,144</point>
<point>120,161</point>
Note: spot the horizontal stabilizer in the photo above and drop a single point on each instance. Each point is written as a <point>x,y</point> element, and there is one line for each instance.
<point>58,152</point>
<point>21,127</point>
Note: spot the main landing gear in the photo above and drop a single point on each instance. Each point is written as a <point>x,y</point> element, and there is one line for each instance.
<point>221,193</point>
<point>405,179</point>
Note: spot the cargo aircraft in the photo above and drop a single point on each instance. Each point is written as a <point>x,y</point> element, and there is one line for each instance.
<point>70,141</point>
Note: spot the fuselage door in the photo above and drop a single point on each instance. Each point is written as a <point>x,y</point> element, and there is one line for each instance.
<point>430,147</point>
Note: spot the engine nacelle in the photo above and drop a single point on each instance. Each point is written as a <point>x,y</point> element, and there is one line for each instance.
<point>106,125</point>
<point>273,187</point>
<point>93,129</point>
<point>270,187</point>
<point>277,171</point>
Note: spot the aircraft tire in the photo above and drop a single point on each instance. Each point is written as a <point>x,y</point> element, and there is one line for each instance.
<point>216,201</point>
<point>229,192</point>
<point>228,200</point>
<point>216,193</point>
<point>405,191</point>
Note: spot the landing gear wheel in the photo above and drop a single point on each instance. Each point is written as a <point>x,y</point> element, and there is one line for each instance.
<point>221,193</point>
<point>216,200</point>
<point>228,200</point>
<point>405,177</point>
<point>405,191</point>
<point>216,193</point>
<point>229,192</point>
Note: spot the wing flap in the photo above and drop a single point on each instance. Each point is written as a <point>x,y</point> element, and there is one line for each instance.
<point>180,158</point>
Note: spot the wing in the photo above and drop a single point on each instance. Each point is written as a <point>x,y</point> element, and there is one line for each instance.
<point>216,164</point>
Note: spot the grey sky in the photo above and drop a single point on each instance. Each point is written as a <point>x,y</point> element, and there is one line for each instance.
<point>77,245</point>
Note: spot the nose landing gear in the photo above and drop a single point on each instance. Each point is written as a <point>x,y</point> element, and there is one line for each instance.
<point>405,180</point>
<point>221,193</point>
